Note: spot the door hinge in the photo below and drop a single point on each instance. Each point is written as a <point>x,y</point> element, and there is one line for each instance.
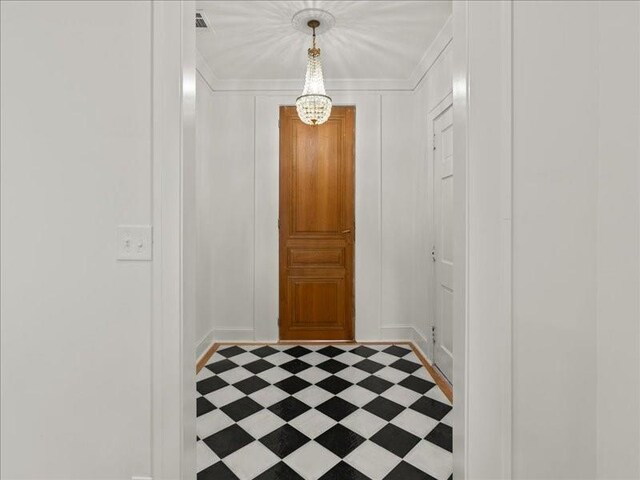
<point>434,141</point>
<point>433,334</point>
<point>278,224</point>
<point>278,123</point>
<point>433,253</point>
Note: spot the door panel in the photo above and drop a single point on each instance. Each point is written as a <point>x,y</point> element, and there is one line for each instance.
<point>317,226</point>
<point>443,218</point>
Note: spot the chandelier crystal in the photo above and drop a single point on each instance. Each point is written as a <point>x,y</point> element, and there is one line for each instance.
<point>314,106</point>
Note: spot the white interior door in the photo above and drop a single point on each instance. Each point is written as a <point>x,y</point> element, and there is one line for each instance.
<point>442,330</point>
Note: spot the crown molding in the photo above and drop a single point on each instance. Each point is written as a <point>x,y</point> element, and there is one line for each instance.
<point>431,55</point>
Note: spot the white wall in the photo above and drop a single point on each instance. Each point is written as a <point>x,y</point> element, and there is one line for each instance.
<point>225,199</point>
<point>76,162</point>
<point>575,240</point>
<point>618,249</point>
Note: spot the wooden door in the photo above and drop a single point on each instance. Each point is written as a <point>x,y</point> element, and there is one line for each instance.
<point>443,249</point>
<point>317,226</point>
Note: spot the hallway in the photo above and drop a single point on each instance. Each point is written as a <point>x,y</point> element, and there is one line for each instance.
<point>329,412</point>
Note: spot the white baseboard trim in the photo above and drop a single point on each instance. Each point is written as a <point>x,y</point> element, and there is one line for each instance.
<point>423,343</point>
<point>400,333</point>
<point>407,333</point>
<point>205,343</point>
<point>233,334</point>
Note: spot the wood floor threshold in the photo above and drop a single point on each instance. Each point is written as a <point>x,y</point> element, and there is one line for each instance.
<point>442,382</point>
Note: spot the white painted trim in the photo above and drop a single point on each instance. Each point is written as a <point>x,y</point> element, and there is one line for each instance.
<point>205,343</point>
<point>506,236</point>
<point>429,58</point>
<point>482,233</point>
<point>205,70</point>
<point>234,334</point>
<point>460,67</point>
<point>400,333</point>
<point>433,52</point>
<point>435,112</point>
<point>172,332</point>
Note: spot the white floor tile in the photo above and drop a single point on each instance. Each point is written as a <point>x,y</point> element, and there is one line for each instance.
<point>363,423</point>
<point>204,456</point>
<point>252,460</point>
<point>312,423</point>
<point>372,460</point>
<point>401,395</point>
<point>432,459</point>
<point>268,396</point>
<point>224,396</point>
<point>312,460</point>
<point>414,422</point>
<point>260,424</point>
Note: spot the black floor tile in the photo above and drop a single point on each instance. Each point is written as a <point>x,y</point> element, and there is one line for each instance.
<point>203,406</point>
<point>251,384</point>
<point>265,351</point>
<point>280,471</point>
<point>229,352</point>
<point>383,408</point>
<point>284,440</point>
<point>369,366</point>
<point>397,351</point>
<point>297,351</point>
<point>227,441</point>
<point>416,384</point>
<point>406,471</point>
<point>336,408</point>
<point>330,351</point>
<point>210,384</point>
<point>332,366</point>
<point>375,384</point>
<point>405,365</point>
<point>334,384</point>
<point>364,351</point>
<point>340,440</point>
<point>221,366</point>
<point>258,366</point>
<point>430,407</point>
<point>344,471</point>
<point>395,439</point>
<point>289,408</point>
<point>292,384</point>
<point>441,435</point>
<point>295,366</point>
<point>241,408</point>
<point>217,471</point>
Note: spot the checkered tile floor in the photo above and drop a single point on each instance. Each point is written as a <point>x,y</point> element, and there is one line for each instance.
<point>339,412</point>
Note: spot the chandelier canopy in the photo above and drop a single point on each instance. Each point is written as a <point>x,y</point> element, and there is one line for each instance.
<point>314,105</point>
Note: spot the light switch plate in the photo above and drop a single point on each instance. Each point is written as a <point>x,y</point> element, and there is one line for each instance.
<point>134,242</point>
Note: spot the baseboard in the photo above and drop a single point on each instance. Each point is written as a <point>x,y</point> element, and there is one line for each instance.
<point>400,333</point>
<point>406,333</point>
<point>423,343</point>
<point>233,334</point>
<point>205,343</point>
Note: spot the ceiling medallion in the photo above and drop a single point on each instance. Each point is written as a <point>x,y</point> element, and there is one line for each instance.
<point>314,105</point>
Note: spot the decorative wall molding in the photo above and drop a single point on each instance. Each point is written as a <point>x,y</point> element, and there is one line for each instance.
<point>430,56</point>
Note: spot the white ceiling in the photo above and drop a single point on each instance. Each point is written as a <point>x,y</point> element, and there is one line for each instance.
<point>253,42</point>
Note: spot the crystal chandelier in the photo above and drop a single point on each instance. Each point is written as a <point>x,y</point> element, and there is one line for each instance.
<point>313,106</point>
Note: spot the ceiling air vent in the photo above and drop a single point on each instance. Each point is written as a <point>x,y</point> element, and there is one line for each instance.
<point>201,20</point>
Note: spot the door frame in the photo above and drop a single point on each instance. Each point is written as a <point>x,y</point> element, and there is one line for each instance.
<point>482,148</point>
<point>434,113</point>
<point>482,45</point>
